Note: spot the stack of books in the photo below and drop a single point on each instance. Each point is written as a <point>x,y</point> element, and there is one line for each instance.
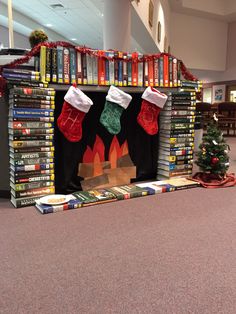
<point>176,135</point>
<point>31,131</point>
<point>100,196</point>
<point>100,67</point>
<point>94,197</point>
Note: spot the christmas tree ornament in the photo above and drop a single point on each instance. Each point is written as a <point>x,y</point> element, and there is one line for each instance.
<point>76,105</point>
<point>214,160</point>
<point>152,103</point>
<point>116,102</point>
<point>214,142</point>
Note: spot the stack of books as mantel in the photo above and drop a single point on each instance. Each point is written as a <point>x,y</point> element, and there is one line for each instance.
<point>176,135</point>
<point>31,132</point>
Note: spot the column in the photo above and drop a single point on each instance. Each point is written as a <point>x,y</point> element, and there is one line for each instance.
<point>117,25</point>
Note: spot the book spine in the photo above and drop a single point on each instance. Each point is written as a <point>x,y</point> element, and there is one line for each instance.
<point>129,70</point>
<point>89,66</point>
<point>43,63</point>
<point>32,185</point>
<point>34,192</point>
<point>84,68</point>
<point>30,98</point>
<point>24,83</point>
<point>174,71</point>
<point>32,91</point>
<point>120,69</point>
<point>101,69</point>
<point>24,201</point>
<point>125,71</point>
<point>30,113</point>
<point>145,73</point>
<point>32,106</point>
<point>170,71</point>
<point>72,65</point>
<point>111,68</point>
<point>140,73</point>
<point>35,178</point>
<point>37,137</point>
<point>60,65</point>
<point>19,76</point>
<point>54,65</point>
<point>25,162</point>
<point>156,72</point>
<point>31,149</point>
<point>166,70</point>
<point>31,119</point>
<point>178,73</point>
<point>66,66</point>
<point>30,132</point>
<point>16,144</point>
<point>95,70</point>
<point>107,70</point>
<point>48,64</point>
<point>134,69</point>
<point>116,67</point>
<point>38,155</point>
<point>161,71</point>
<point>21,71</point>
<point>79,73</point>
<point>150,72</point>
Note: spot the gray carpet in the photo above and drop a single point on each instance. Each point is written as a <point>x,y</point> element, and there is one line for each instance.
<point>169,253</point>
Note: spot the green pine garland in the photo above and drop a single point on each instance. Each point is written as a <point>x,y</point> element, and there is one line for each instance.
<point>213,155</point>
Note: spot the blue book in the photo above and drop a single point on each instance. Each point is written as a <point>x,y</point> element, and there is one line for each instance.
<point>48,209</point>
<point>60,64</point>
<point>120,72</point>
<point>72,65</point>
<point>30,113</point>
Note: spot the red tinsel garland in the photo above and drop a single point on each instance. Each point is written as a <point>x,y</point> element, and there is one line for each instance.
<point>100,53</point>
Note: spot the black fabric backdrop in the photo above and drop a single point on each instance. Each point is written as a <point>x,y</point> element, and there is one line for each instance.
<point>142,147</point>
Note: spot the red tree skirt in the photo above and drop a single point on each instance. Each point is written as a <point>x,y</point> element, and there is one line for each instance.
<point>213,181</point>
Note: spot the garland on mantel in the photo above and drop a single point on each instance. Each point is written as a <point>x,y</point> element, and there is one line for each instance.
<point>83,49</point>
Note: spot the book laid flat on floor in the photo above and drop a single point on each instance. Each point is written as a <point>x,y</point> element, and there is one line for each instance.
<point>93,197</point>
<point>47,209</point>
<point>169,185</point>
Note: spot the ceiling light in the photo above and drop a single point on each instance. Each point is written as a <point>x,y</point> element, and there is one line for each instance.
<point>57,6</point>
<point>48,25</point>
<point>73,39</point>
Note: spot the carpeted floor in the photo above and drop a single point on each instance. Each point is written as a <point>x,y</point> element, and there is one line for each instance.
<point>169,253</point>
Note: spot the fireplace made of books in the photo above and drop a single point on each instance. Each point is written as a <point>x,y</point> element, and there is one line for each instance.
<point>101,159</point>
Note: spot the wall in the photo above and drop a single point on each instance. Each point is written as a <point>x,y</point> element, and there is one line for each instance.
<point>161,13</point>
<point>230,73</point>
<point>201,43</point>
<point>20,41</point>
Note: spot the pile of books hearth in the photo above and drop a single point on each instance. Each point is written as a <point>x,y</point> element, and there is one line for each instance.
<point>56,203</point>
<point>176,135</point>
<point>31,131</point>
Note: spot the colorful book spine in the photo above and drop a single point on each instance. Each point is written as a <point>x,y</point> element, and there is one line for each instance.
<point>166,70</point>
<point>156,72</point>
<point>79,73</point>
<point>43,50</point>
<point>60,65</point>
<point>54,65</point>
<point>48,64</point>
<point>72,65</point>
<point>66,66</point>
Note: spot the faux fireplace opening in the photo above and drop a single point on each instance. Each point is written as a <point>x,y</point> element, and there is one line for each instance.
<point>101,159</point>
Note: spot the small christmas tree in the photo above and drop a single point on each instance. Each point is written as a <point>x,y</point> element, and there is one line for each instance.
<point>213,155</point>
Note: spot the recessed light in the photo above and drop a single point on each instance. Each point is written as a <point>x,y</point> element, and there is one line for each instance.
<point>73,39</point>
<point>48,25</point>
<point>57,6</point>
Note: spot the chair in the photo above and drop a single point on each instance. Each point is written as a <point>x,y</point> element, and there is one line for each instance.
<point>205,110</point>
<point>227,117</point>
